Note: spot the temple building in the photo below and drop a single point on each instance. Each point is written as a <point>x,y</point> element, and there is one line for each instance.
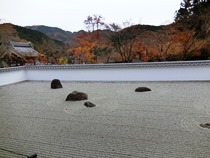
<point>18,53</point>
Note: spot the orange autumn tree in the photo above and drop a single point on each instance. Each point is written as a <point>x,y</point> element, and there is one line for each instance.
<point>188,44</point>
<point>83,51</point>
<point>88,44</point>
<point>139,52</point>
<point>42,58</point>
<point>163,42</point>
<point>146,53</point>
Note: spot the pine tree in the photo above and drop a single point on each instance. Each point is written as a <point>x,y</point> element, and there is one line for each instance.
<point>195,15</point>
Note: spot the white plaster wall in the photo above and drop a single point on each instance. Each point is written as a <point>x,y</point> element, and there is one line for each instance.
<point>168,71</point>
<point>179,73</point>
<point>12,77</point>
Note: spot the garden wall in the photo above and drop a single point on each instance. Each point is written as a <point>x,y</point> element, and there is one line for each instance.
<point>155,71</point>
<point>12,75</point>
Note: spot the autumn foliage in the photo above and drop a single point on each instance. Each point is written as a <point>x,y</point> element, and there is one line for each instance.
<point>89,45</point>
<point>83,51</point>
<point>185,39</point>
<point>42,58</point>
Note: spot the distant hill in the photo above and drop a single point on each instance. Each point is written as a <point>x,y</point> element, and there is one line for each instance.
<point>55,32</point>
<point>52,32</point>
<point>41,42</point>
<point>67,36</point>
<point>64,36</point>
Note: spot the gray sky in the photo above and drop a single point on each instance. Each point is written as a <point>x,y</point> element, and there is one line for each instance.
<point>70,14</point>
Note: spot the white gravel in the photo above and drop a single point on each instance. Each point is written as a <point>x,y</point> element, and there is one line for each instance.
<point>163,123</point>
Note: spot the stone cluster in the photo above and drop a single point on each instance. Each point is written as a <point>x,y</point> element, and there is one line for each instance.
<point>79,96</point>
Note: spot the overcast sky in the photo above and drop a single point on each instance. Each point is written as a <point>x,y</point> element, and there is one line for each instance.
<point>70,14</point>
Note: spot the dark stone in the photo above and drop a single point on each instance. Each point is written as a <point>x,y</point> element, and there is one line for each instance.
<point>142,89</point>
<point>32,156</point>
<point>206,125</point>
<point>55,84</point>
<point>77,96</point>
<point>89,104</point>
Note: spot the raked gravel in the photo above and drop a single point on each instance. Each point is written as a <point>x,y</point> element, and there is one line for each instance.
<point>162,123</point>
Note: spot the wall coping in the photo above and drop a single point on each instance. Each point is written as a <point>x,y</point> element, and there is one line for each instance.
<point>114,65</point>
<point>8,69</point>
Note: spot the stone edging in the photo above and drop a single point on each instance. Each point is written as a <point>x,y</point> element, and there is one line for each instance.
<point>118,65</point>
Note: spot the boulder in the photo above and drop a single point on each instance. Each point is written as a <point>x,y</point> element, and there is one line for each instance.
<point>77,96</point>
<point>89,104</point>
<point>206,125</point>
<point>142,89</point>
<point>55,84</point>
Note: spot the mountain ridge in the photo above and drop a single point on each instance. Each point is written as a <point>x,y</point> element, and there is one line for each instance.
<point>55,32</point>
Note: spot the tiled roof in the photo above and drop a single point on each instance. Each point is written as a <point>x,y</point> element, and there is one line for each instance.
<point>24,49</point>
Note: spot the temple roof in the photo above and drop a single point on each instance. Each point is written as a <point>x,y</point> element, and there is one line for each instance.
<point>24,49</point>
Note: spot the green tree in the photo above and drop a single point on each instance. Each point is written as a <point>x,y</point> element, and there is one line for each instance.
<point>195,15</point>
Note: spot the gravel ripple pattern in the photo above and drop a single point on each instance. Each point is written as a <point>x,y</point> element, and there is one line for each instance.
<point>162,123</point>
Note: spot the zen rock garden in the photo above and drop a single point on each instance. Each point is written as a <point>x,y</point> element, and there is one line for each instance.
<point>73,96</point>
<point>79,96</point>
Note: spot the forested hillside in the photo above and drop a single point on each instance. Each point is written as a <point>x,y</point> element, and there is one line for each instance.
<point>53,32</point>
<point>52,48</point>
